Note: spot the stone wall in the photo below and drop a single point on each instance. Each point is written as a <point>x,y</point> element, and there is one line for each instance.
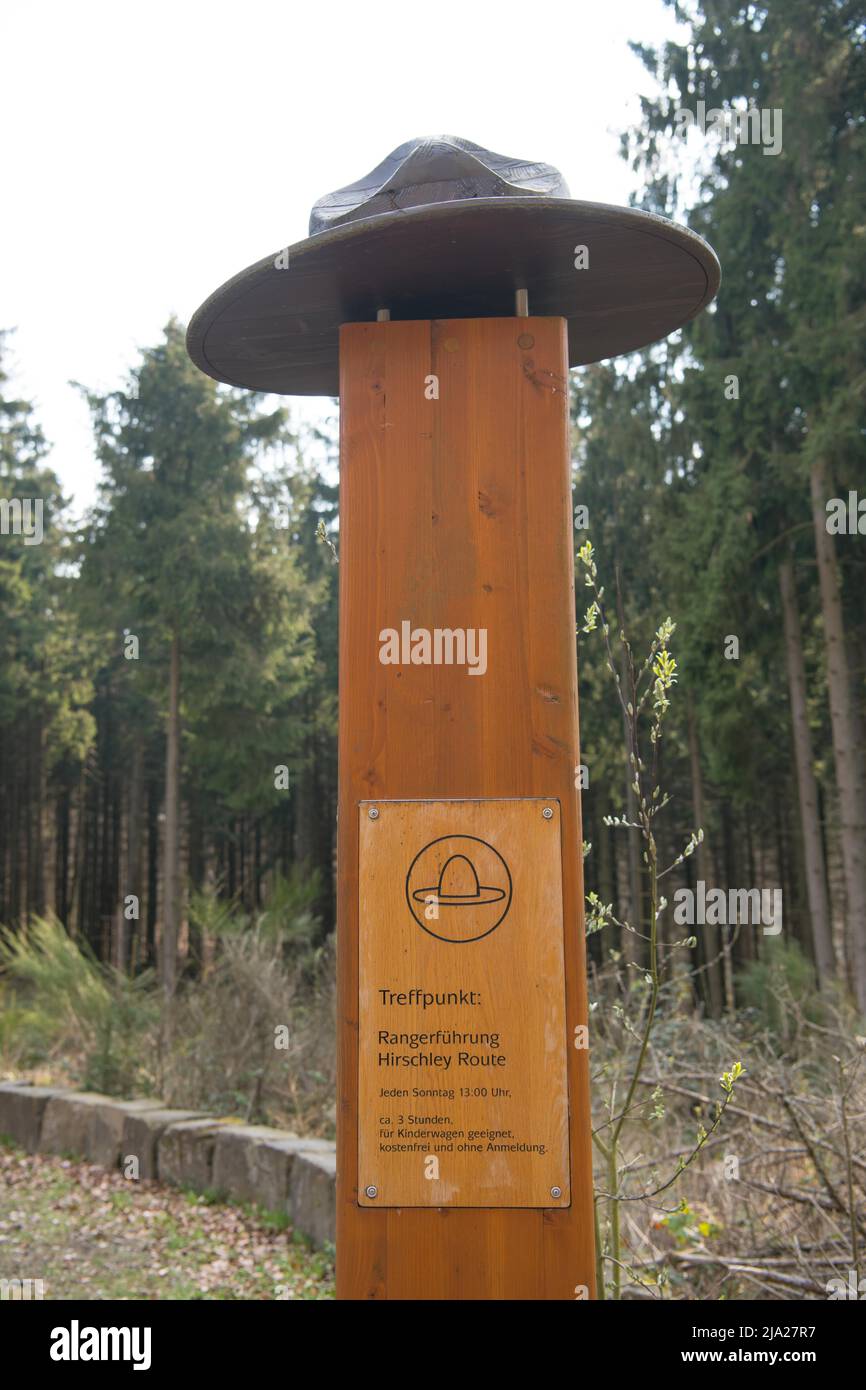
<point>143,1139</point>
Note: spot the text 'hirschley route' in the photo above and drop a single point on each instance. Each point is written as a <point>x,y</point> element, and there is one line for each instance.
<point>441,1037</point>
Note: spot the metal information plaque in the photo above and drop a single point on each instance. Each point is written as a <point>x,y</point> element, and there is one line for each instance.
<point>462,1094</point>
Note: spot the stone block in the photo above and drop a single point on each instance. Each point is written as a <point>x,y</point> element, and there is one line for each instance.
<point>66,1124</point>
<point>184,1153</point>
<point>107,1123</point>
<point>313,1194</point>
<point>142,1130</point>
<point>22,1109</point>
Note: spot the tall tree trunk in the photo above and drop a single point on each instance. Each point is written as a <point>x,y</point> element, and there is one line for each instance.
<point>232,842</point>
<point>105,897</point>
<point>847,748</point>
<point>729,931</point>
<point>810,825</point>
<point>5,829</point>
<point>27,822</point>
<point>257,864</point>
<point>171,851</point>
<point>38,875</point>
<point>304,790</point>
<point>242,860</point>
<point>78,821</point>
<point>748,947</point>
<point>195,875</point>
<point>130,885</point>
<point>63,817</point>
<point>47,837</point>
<point>708,935</point>
<point>153,805</point>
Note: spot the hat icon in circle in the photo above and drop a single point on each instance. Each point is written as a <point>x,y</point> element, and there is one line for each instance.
<point>458,888</point>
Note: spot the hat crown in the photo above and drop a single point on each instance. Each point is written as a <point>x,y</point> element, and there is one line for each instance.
<point>435,169</point>
<point>458,878</point>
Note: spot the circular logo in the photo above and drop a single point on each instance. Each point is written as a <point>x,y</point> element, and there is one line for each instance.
<point>458,888</point>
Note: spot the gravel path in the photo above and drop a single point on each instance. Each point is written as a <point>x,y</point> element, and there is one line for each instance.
<point>87,1233</point>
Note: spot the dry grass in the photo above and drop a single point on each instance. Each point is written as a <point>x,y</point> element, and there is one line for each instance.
<point>253,1037</point>
<point>774,1204</point>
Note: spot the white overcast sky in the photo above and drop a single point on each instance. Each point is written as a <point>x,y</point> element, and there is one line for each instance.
<point>152,150</point>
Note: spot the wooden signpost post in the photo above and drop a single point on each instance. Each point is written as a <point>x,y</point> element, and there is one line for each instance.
<point>464,1156</point>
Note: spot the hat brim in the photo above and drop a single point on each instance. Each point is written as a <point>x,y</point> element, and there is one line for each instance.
<point>483,896</point>
<point>276,330</point>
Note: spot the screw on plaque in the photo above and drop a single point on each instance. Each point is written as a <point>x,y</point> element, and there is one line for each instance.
<point>554,1192</point>
<point>373,813</point>
<point>371,1191</point>
<point>547,813</point>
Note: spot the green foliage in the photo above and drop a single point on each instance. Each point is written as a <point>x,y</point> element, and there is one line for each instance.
<point>783,980</point>
<point>211,914</point>
<point>59,1002</point>
<point>695,496</point>
<point>44,672</point>
<point>224,1054</point>
<point>687,1228</point>
<point>64,998</point>
<point>643,692</point>
<point>288,918</point>
<point>289,915</point>
<point>189,550</point>
<point>65,987</point>
<point>117,1061</point>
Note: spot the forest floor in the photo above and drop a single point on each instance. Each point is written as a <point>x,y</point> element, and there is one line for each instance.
<point>91,1234</point>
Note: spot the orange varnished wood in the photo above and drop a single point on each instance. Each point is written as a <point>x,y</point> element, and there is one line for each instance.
<point>456,512</point>
<point>513,974</point>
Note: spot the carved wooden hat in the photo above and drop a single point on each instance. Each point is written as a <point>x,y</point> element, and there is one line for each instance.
<point>445,229</point>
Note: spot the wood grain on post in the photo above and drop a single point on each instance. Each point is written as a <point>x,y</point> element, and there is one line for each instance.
<point>455,512</point>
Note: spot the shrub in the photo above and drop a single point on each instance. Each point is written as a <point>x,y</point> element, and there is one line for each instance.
<point>218,1046</point>
<point>64,1001</point>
